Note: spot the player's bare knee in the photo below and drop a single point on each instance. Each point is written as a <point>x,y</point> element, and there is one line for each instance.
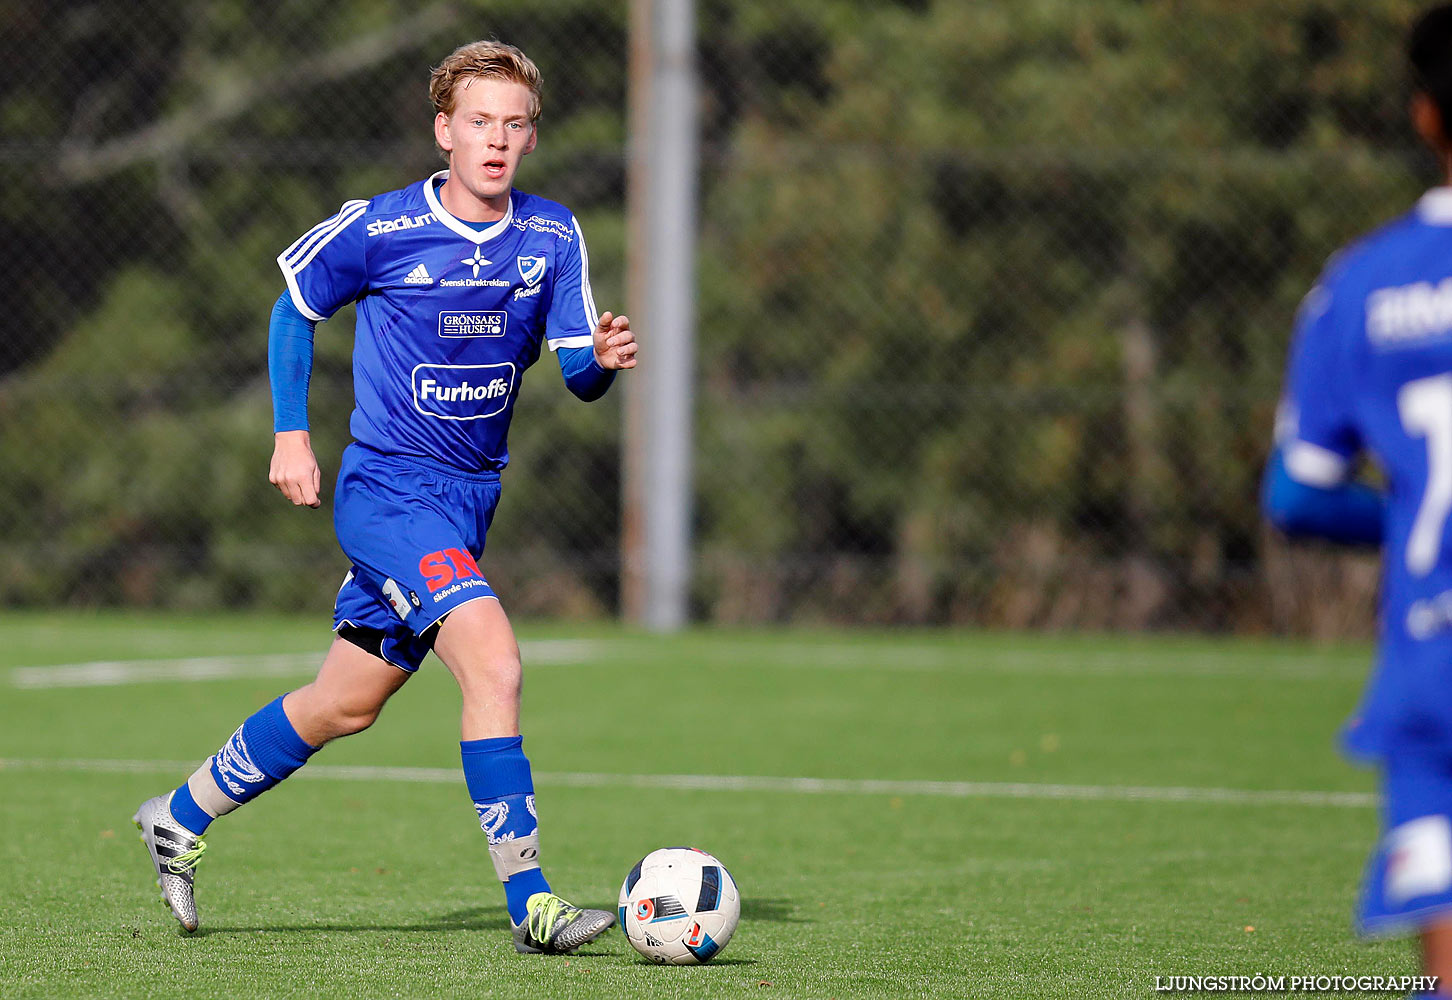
<point>331,714</point>
<point>351,721</point>
<point>498,676</point>
<point>350,714</point>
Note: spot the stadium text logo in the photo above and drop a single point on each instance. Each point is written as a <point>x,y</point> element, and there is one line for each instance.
<point>462,392</point>
<point>380,226</point>
<point>1409,312</point>
<point>472,324</point>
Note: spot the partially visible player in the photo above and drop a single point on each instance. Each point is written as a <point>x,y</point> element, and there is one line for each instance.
<point>1371,374</point>
<point>460,280</point>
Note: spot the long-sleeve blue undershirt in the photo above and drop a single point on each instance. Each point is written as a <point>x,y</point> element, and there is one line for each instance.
<point>290,367</point>
<point>1351,513</point>
<point>583,374</point>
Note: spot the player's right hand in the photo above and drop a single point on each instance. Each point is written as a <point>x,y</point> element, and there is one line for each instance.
<point>294,470</point>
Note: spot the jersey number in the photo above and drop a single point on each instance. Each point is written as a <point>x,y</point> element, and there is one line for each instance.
<point>1426,411</point>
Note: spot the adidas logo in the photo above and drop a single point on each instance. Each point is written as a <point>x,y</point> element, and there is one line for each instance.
<point>418,276</point>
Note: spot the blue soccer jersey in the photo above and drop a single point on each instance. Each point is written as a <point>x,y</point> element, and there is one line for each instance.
<point>450,314</point>
<point>1371,371</point>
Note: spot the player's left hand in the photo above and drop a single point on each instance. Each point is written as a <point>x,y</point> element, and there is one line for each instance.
<point>614,343</point>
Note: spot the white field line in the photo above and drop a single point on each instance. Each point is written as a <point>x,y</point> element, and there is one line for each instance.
<point>785,656</point>
<point>755,783</point>
<point>108,673</point>
<point>1039,662</point>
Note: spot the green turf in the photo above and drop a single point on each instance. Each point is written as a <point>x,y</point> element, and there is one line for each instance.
<point>383,888</point>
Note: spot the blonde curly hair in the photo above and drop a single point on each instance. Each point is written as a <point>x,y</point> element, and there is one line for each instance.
<point>491,60</point>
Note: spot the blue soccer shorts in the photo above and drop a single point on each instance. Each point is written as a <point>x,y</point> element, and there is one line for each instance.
<point>414,532</point>
<point>1408,881</point>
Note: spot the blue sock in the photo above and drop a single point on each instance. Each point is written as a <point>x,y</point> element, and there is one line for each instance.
<point>264,750</point>
<point>497,774</point>
<point>184,810</point>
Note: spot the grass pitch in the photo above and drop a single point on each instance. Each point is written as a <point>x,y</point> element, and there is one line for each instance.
<point>996,815</point>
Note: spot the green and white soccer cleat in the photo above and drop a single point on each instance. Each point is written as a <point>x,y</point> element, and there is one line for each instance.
<point>175,851</point>
<point>555,927</point>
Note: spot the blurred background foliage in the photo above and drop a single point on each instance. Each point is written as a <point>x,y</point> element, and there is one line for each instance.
<point>993,306</point>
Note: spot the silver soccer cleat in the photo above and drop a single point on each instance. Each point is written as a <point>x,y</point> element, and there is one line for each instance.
<point>175,851</point>
<point>555,927</point>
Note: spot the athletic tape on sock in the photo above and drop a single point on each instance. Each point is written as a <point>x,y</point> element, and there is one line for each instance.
<point>213,801</point>
<point>511,857</point>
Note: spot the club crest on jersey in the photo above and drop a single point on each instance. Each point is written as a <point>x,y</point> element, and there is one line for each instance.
<point>531,269</point>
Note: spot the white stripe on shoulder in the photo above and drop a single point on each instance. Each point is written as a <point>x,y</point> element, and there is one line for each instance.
<point>300,254</point>
<point>312,233</point>
<point>344,221</point>
<point>584,340</point>
<point>1312,465</point>
<point>1435,207</point>
<point>322,232</point>
<point>297,297</point>
<point>592,315</point>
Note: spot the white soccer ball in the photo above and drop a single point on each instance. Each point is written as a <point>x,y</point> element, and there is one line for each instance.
<point>679,906</point>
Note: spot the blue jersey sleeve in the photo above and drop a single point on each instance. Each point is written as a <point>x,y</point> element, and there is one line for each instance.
<point>1352,513</point>
<point>327,267</point>
<point>572,316</point>
<point>1316,427</point>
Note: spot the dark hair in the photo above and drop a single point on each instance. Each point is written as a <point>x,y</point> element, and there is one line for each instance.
<point>1429,50</point>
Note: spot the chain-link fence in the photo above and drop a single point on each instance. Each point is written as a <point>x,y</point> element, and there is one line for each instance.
<point>993,298</point>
